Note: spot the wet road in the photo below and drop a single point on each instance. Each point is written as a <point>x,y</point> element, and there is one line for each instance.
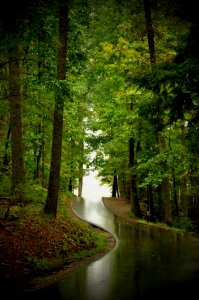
<point>145,263</point>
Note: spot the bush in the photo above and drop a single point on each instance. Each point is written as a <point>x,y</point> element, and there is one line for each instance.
<point>183,223</point>
<point>34,193</point>
<point>5,185</point>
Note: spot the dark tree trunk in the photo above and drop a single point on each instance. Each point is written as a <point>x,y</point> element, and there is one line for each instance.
<point>165,205</point>
<point>54,178</point>
<point>134,199</point>
<point>166,212</point>
<point>175,197</point>
<point>6,158</point>
<point>38,153</point>
<point>150,206</point>
<point>70,186</point>
<point>150,32</point>
<point>122,186</point>
<point>115,190</point>
<point>17,157</point>
<point>43,157</point>
<point>80,165</point>
<point>175,211</point>
<point>159,195</point>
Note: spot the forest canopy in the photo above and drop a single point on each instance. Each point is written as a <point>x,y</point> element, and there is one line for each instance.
<point>117,78</point>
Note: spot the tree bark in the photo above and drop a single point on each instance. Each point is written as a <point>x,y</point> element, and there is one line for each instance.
<point>54,178</point>
<point>38,152</point>
<point>115,189</point>
<point>17,156</point>
<point>150,32</point>
<point>6,158</point>
<point>134,199</point>
<point>81,166</point>
<point>165,205</point>
<point>166,212</point>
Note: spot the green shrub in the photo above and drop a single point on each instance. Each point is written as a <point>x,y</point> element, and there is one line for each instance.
<point>5,185</point>
<point>34,193</point>
<point>183,223</point>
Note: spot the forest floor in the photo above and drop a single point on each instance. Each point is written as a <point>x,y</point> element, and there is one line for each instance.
<point>36,250</point>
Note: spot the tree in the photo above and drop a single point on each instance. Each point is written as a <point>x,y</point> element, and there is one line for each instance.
<point>165,203</point>
<point>15,96</point>
<point>54,178</point>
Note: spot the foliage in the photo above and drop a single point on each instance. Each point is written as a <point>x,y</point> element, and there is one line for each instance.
<point>34,192</point>
<point>183,223</point>
<point>5,185</point>
<point>110,95</point>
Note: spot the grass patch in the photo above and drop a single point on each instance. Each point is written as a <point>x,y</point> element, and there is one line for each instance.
<point>101,244</point>
<point>183,226</point>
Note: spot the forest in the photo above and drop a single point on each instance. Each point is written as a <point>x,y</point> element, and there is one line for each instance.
<point>114,78</point>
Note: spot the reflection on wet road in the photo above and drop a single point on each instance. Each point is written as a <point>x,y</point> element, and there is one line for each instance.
<point>145,262</point>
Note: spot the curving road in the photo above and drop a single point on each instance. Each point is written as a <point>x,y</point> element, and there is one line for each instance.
<point>145,263</point>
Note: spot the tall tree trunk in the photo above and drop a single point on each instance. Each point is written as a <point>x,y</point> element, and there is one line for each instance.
<point>134,199</point>
<point>38,152</point>
<point>6,158</point>
<point>70,185</point>
<point>183,195</point>
<point>166,205</point>
<point>122,186</point>
<point>115,189</point>
<point>43,157</point>
<point>150,32</point>
<point>17,157</point>
<point>166,212</point>
<point>150,206</point>
<point>54,178</point>
<point>174,191</point>
<point>80,165</point>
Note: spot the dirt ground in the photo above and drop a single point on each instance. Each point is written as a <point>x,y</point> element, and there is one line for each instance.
<point>119,207</point>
